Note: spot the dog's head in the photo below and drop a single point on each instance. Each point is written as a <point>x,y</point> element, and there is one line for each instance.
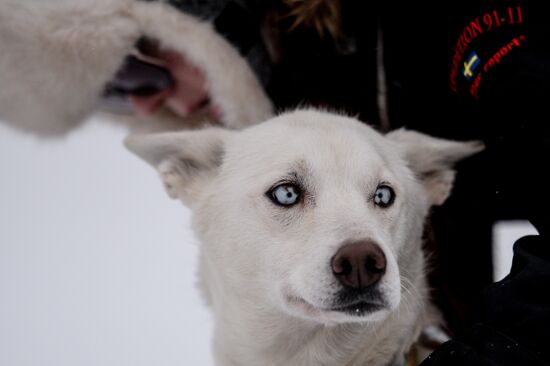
<point>313,213</point>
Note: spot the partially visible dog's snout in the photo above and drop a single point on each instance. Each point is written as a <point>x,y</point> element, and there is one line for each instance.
<point>359,265</point>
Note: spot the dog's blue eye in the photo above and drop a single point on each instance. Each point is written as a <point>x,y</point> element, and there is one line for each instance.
<point>285,194</point>
<point>384,196</point>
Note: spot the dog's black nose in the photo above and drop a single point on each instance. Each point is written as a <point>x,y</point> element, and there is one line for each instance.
<point>359,264</point>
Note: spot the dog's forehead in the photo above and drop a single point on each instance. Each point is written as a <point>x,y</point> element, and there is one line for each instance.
<point>309,138</point>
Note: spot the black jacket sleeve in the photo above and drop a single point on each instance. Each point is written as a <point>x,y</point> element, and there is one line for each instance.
<point>514,316</point>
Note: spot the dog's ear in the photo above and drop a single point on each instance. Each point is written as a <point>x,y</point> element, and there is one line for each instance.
<point>185,160</point>
<point>432,159</point>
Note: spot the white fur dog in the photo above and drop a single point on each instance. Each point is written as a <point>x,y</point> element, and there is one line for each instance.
<point>310,227</point>
<point>311,223</point>
<point>57,56</point>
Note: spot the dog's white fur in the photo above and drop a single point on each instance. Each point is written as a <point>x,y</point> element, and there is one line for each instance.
<point>264,269</point>
<point>57,56</point>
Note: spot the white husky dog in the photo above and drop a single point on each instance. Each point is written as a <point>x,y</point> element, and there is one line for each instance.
<point>310,223</point>
<point>310,227</point>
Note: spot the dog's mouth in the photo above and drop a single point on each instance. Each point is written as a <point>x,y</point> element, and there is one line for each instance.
<point>358,302</point>
<point>153,77</point>
<point>359,308</point>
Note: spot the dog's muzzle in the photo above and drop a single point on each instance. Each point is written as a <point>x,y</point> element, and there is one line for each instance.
<point>359,266</point>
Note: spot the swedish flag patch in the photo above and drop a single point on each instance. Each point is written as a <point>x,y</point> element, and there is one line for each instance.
<point>470,65</point>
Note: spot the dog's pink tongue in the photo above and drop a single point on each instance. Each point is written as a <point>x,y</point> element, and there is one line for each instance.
<point>146,105</point>
<point>185,96</point>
